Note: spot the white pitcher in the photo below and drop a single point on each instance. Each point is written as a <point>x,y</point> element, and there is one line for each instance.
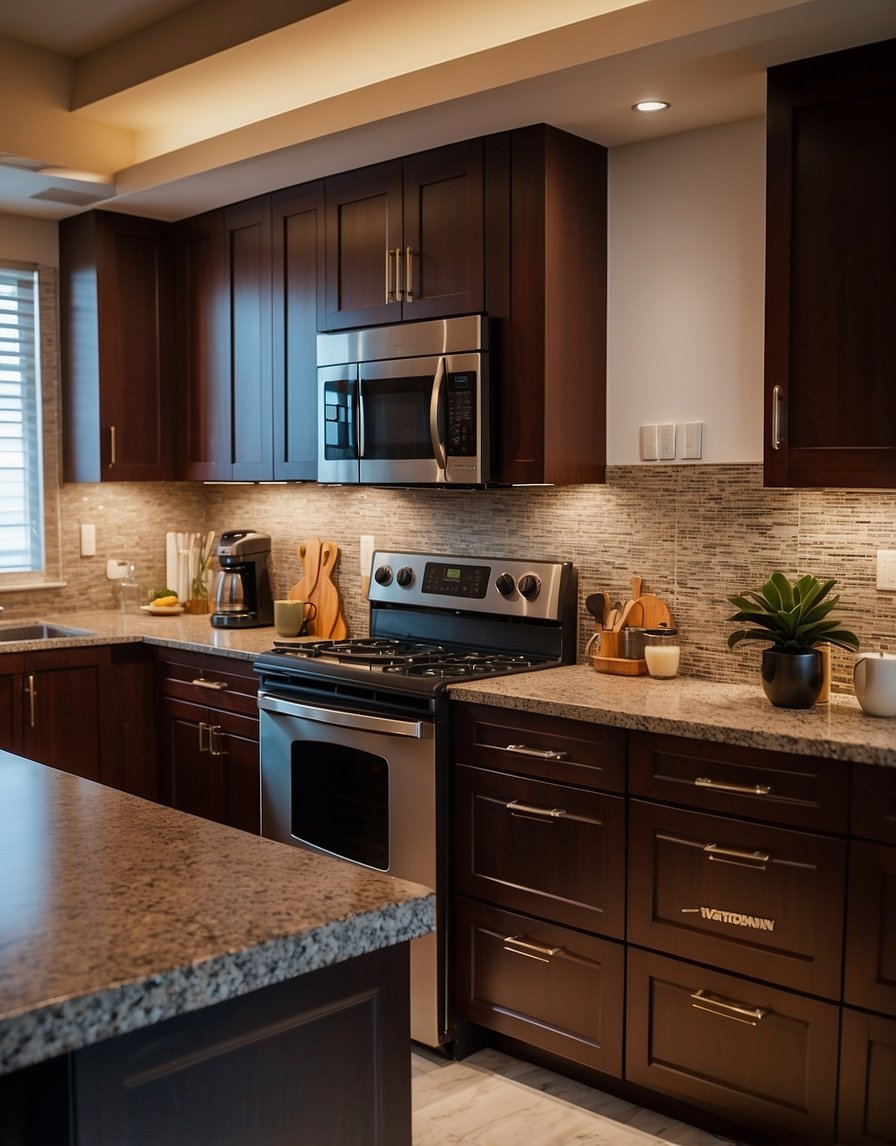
<point>874,680</point>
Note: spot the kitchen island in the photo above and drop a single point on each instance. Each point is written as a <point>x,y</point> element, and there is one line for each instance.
<point>195,983</point>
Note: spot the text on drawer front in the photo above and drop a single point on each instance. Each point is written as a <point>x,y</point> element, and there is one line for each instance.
<point>736,789</point>
<point>726,1009</point>
<point>525,750</point>
<point>719,854</point>
<point>516,945</point>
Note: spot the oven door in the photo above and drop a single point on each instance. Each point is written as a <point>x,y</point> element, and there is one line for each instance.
<point>362,788</point>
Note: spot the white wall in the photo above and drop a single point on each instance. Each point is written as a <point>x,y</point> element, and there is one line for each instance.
<point>29,240</point>
<point>686,269</point>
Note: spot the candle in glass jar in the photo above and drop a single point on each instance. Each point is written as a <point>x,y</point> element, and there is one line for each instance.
<point>662,659</point>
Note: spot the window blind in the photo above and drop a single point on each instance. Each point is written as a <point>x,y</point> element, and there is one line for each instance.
<point>21,453</point>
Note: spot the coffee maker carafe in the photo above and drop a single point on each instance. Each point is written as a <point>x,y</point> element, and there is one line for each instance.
<point>243,586</point>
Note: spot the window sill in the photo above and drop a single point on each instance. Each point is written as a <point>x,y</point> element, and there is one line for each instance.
<point>24,586</point>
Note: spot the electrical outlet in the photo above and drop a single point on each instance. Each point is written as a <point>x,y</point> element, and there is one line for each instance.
<point>886,570</point>
<point>115,569</point>
<point>88,540</point>
<point>667,441</point>
<point>365,559</point>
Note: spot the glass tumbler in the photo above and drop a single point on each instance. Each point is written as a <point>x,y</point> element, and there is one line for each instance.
<point>662,653</point>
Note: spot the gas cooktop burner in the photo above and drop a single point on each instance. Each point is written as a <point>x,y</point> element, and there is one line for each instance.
<point>370,652</point>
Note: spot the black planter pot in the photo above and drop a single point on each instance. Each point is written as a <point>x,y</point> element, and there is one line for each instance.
<point>791,680</point>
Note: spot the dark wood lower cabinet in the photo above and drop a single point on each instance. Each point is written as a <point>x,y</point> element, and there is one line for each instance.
<point>321,1060</point>
<point>548,986</point>
<point>867,1080</point>
<point>750,1052</point>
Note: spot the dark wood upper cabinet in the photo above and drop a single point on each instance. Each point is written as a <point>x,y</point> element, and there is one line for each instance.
<point>299,277</point>
<point>830,403</point>
<point>202,332</point>
<point>546,220</point>
<point>116,289</point>
<point>405,239</point>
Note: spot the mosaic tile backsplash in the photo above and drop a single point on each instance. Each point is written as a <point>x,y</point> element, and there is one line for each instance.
<point>696,534</point>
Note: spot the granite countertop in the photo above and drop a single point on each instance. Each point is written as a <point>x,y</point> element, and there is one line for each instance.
<point>117,913</point>
<point>726,713</point>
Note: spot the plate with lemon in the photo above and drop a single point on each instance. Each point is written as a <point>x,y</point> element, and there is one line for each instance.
<point>164,603</point>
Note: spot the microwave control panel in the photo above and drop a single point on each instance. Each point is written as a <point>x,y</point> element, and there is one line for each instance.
<point>460,414</point>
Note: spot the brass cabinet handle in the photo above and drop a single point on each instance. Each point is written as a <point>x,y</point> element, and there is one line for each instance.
<point>516,945</point>
<point>409,274</point>
<point>111,445</point>
<point>201,682</point>
<point>517,808</point>
<point>388,276</point>
<point>32,696</point>
<point>203,730</point>
<point>725,1009</point>
<point>778,417</point>
<point>757,860</point>
<point>214,740</point>
<point>525,750</point>
<point>737,789</point>
<point>399,289</point>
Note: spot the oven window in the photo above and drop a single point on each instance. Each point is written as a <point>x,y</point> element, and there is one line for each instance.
<point>340,802</point>
<point>396,418</point>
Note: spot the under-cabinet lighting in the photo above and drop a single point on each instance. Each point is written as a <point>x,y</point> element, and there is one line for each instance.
<point>650,105</point>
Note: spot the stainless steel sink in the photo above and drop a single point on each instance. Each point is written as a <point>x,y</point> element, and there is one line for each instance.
<point>39,631</point>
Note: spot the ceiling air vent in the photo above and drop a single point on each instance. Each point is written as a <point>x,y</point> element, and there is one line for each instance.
<point>74,198</point>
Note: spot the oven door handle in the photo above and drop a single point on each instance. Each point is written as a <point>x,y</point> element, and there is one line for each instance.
<point>364,722</point>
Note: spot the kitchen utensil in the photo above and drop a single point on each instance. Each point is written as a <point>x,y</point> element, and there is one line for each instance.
<point>655,611</point>
<point>318,562</point>
<point>309,554</point>
<point>631,613</point>
<point>594,603</point>
<point>874,680</point>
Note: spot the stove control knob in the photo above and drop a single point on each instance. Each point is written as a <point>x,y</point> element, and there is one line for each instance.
<point>383,575</point>
<point>405,576</point>
<point>505,584</point>
<point>530,586</point>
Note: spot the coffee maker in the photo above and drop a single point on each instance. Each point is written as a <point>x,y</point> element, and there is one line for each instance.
<point>243,587</point>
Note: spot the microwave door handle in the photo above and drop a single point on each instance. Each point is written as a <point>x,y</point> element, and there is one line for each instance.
<point>360,409</point>
<point>438,446</point>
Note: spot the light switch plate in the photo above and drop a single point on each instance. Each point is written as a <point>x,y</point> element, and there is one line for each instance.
<point>647,439</point>
<point>886,570</point>
<point>692,438</point>
<point>667,441</point>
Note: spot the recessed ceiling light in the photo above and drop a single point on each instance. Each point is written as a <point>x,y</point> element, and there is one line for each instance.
<point>649,105</point>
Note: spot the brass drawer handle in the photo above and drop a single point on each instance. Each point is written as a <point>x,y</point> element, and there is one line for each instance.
<point>201,682</point>
<point>737,1012</point>
<point>515,945</point>
<point>525,750</point>
<point>515,807</point>
<point>738,789</point>
<point>757,860</point>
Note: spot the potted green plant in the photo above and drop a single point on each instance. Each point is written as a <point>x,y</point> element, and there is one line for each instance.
<point>795,617</point>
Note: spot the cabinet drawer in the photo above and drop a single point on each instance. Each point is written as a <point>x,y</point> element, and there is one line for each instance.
<point>871,928</point>
<point>549,849</point>
<point>874,803</point>
<point>867,1108</point>
<point>750,898</point>
<point>752,1053</point>
<point>545,985</point>
<point>779,787</point>
<point>225,683</point>
<point>530,744</point>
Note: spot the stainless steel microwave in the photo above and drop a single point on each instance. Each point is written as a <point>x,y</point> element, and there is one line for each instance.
<point>406,404</point>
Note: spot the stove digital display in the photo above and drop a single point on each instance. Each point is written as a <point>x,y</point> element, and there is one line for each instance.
<point>455,580</point>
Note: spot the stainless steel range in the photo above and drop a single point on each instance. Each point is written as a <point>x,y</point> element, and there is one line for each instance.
<point>355,747</point>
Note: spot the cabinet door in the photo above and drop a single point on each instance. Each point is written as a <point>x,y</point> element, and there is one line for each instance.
<point>247,235</point>
<point>203,384</point>
<point>866,1114</point>
<point>548,849</point>
<point>299,300</point>
<point>364,229</point>
<point>754,899</point>
<point>870,979</point>
<point>11,707</point>
<point>210,764</point>
<point>548,986</point>
<point>117,327</point>
<point>444,237</point>
<point>61,718</point>
<point>831,272</point>
<point>746,1051</point>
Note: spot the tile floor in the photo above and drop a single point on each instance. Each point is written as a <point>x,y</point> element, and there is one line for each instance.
<point>491,1099</point>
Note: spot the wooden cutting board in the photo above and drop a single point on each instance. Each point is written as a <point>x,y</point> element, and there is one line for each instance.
<point>316,585</point>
